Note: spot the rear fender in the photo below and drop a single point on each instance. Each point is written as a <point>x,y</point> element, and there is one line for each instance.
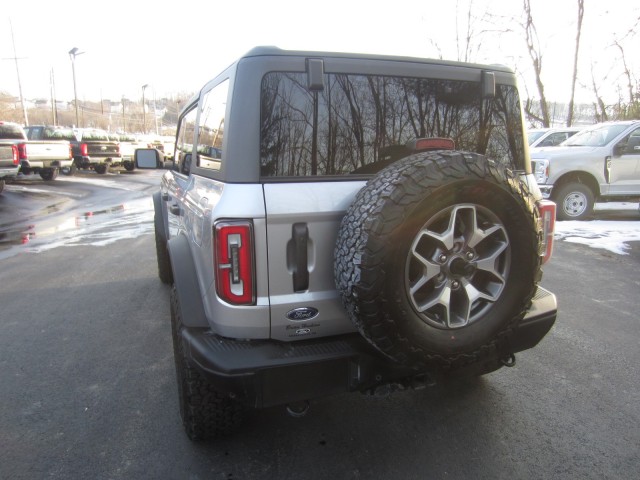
<point>186,283</point>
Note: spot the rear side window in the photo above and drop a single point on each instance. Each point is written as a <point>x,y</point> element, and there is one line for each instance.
<point>351,123</point>
<point>211,127</point>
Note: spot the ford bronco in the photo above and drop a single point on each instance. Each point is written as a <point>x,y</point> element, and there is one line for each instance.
<point>335,222</point>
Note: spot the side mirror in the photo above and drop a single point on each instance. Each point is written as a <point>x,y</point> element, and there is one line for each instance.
<point>148,158</point>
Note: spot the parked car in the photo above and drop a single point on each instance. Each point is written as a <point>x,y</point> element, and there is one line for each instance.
<point>550,137</point>
<point>128,144</point>
<point>313,247</point>
<point>44,156</point>
<point>600,163</point>
<point>9,163</point>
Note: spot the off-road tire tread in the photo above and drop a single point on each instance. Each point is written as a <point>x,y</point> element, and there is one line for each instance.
<point>207,414</point>
<point>385,203</point>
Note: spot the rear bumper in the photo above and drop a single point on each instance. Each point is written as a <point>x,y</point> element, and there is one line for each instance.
<point>33,164</point>
<point>267,373</point>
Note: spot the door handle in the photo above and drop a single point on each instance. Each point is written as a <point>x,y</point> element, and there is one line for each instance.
<point>299,256</point>
<point>175,209</point>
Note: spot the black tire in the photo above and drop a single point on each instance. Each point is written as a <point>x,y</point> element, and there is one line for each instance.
<point>49,173</point>
<point>575,201</point>
<point>101,168</point>
<point>70,171</point>
<point>162,255</point>
<point>437,259</point>
<point>206,413</point>
<point>129,166</point>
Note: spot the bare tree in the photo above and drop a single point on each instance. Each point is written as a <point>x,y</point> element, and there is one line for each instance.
<point>535,54</point>
<point>574,77</point>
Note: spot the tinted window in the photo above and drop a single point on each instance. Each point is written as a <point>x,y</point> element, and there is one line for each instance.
<point>211,127</point>
<point>58,134</point>
<point>184,143</point>
<point>11,132</point>
<point>347,126</point>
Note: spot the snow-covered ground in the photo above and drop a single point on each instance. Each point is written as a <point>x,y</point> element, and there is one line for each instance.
<point>612,231</point>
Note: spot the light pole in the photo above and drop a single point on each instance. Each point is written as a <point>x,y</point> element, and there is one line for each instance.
<point>73,53</point>
<point>144,112</point>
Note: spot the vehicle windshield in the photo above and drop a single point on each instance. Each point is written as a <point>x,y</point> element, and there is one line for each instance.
<point>598,136</point>
<point>534,135</point>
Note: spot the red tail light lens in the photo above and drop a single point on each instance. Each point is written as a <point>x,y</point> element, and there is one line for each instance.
<point>548,218</point>
<point>16,156</point>
<point>70,152</point>
<point>22,151</point>
<point>84,150</point>
<point>234,262</point>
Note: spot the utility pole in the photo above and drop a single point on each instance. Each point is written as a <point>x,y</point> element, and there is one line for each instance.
<point>16,58</point>
<point>54,105</point>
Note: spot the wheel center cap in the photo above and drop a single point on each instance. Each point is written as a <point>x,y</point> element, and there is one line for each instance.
<point>461,267</point>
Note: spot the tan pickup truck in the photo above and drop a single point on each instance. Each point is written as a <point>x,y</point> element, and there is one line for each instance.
<point>43,157</point>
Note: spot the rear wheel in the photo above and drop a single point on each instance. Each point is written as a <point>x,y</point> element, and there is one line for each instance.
<point>437,259</point>
<point>49,173</point>
<point>206,413</point>
<point>101,168</point>
<point>128,165</point>
<point>575,201</point>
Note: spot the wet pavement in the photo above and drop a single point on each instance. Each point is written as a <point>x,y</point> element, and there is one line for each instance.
<point>86,209</point>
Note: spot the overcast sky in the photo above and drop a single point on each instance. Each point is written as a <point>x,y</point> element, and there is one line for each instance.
<point>176,47</point>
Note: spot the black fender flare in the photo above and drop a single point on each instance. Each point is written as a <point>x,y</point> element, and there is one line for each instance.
<point>160,218</point>
<point>185,280</point>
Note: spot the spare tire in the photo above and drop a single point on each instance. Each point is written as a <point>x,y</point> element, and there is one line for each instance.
<point>437,258</point>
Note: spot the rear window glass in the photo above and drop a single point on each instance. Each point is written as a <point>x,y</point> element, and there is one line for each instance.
<point>58,134</point>
<point>11,132</point>
<point>356,118</point>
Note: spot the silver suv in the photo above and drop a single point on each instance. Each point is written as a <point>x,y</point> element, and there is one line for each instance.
<point>336,222</point>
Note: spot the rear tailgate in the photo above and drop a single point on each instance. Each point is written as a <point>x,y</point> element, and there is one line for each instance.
<point>104,149</point>
<point>39,151</point>
<point>302,226</point>
<point>8,158</point>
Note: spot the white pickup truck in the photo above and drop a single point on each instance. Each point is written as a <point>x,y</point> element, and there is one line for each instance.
<point>43,157</point>
<point>600,163</point>
<point>9,164</point>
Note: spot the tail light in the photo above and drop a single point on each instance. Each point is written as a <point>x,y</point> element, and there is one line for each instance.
<point>84,149</point>
<point>234,262</point>
<point>548,218</point>
<point>70,152</point>
<point>22,151</point>
<point>16,156</point>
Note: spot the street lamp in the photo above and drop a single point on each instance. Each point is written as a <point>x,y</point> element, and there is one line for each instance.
<point>73,53</point>
<point>144,112</point>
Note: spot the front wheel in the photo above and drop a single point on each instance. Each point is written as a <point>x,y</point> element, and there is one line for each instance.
<point>101,168</point>
<point>129,166</point>
<point>575,201</point>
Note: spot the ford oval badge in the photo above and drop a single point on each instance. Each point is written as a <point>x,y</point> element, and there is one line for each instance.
<point>302,313</point>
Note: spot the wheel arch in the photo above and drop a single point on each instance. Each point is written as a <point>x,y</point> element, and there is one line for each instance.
<point>185,280</point>
<point>585,178</point>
